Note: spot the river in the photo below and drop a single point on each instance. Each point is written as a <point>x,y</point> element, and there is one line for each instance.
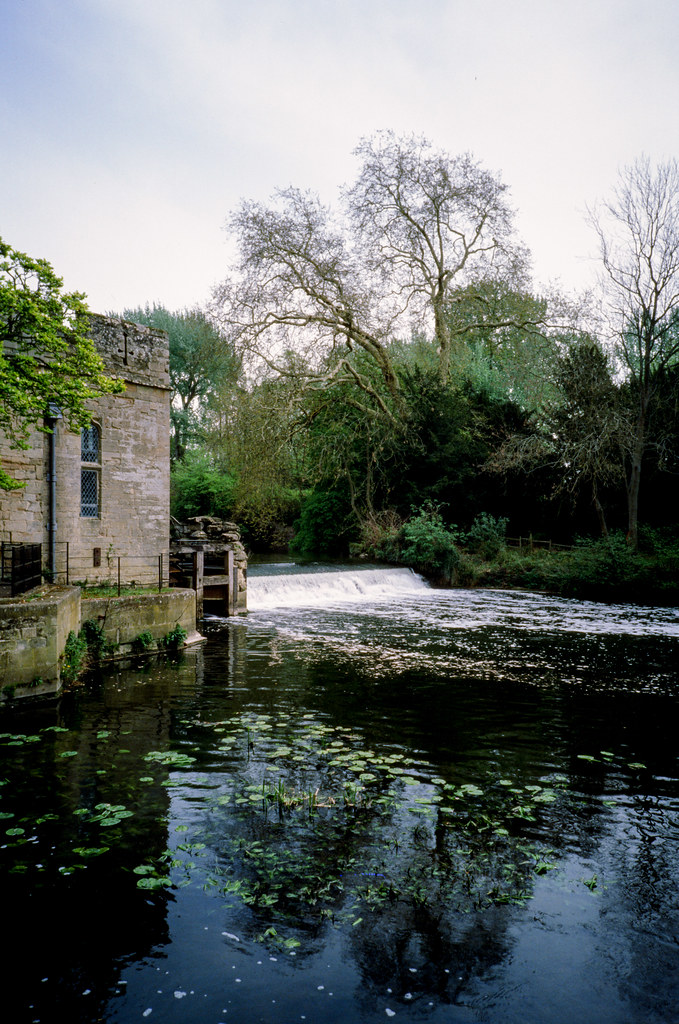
<point>367,799</point>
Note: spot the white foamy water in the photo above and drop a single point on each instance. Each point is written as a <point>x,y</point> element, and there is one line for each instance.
<point>321,589</point>
<point>401,595</point>
<point>390,620</point>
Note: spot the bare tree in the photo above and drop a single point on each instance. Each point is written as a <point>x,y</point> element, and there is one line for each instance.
<point>322,297</point>
<point>427,225</point>
<point>297,300</point>
<point>638,231</point>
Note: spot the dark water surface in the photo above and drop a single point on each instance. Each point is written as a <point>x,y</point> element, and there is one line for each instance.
<point>369,799</point>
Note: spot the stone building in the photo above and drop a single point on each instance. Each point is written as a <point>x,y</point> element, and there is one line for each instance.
<point>110,494</point>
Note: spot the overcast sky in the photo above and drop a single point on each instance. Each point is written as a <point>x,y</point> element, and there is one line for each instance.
<point>131,128</point>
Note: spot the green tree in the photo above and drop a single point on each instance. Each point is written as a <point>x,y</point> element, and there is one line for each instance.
<point>198,488</point>
<point>577,439</point>
<point>417,269</point>
<point>258,441</point>
<point>439,454</point>
<point>46,354</point>
<point>203,370</point>
<point>502,340</point>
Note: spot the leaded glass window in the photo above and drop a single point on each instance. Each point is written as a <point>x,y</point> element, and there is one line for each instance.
<point>89,444</point>
<point>90,472</point>
<point>89,493</point>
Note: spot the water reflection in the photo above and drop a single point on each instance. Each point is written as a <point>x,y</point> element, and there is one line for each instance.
<point>396,906</point>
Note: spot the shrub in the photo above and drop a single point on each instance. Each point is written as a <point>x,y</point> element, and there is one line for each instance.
<point>427,544</point>
<point>173,640</point>
<point>266,516</point>
<point>381,537</point>
<point>98,646</point>
<point>142,642</point>
<point>73,657</point>
<point>486,535</point>
<point>604,562</point>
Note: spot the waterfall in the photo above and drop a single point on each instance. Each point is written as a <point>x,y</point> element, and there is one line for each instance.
<point>319,589</point>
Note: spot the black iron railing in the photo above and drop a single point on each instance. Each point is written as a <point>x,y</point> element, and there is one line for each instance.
<point>20,566</point>
<point>103,568</point>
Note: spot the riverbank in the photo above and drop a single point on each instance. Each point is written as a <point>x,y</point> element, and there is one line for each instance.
<point>602,571</point>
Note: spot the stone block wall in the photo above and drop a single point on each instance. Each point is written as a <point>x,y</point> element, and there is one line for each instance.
<point>124,618</point>
<point>33,634</point>
<point>215,538</point>
<point>34,630</point>
<point>22,511</point>
<point>134,469</point>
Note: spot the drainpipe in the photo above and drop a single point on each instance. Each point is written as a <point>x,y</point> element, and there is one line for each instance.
<point>53,415</point>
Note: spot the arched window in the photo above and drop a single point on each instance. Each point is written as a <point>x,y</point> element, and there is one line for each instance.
<point>90,472</point>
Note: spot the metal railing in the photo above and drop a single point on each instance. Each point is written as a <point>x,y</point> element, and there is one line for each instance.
<point>20,567</point>
<point>111,570</point>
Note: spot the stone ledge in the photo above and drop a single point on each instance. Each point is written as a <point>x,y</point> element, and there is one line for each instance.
<point>37,627</point>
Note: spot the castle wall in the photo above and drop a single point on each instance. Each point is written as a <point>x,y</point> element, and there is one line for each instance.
<point>22,511</point>
<point>133,469</point>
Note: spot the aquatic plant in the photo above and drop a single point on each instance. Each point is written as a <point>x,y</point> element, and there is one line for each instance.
<point>310,826</point>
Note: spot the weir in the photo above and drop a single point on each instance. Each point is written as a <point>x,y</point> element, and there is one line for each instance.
<point>320,588</point>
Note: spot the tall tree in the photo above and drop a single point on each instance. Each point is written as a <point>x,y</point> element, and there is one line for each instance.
<point>203,366</point>
<point>586,428</point>
<point>638,232</point>
<point>312,289</point>
<point>577,439</point>
<point>428,224</point>
<point>507,349</point>
<point>46,354</point>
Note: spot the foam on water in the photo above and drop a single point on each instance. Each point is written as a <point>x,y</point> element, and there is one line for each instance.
<point>399,595</point>
<point>320,589</point>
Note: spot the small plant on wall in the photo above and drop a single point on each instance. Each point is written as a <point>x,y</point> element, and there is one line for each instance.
<point>97,644</point>
<point>73,657</point>
<point>173,640</point>
<point>141,643</point>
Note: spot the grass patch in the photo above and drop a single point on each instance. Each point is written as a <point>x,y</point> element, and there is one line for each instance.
<point>112,591</point>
